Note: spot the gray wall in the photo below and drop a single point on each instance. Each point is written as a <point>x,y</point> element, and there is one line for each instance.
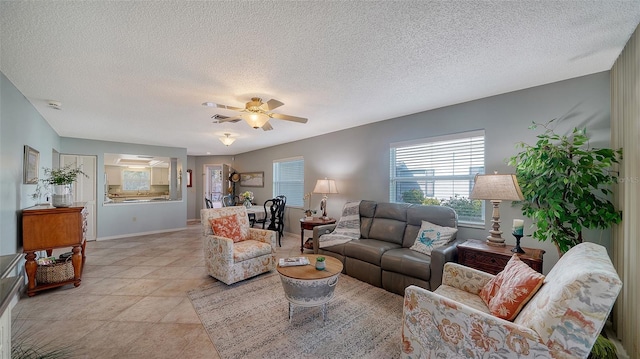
<point>358,158</point>
<point>20,124</point>
<point>140,218</point>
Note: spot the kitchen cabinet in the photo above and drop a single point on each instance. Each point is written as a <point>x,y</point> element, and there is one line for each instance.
<point>114,175</point>
<point>159,176</point>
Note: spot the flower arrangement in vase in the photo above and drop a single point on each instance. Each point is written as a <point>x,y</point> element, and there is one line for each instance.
<point>247,198</point>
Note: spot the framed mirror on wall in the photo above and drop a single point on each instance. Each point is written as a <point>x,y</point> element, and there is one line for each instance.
<point>30,165</point>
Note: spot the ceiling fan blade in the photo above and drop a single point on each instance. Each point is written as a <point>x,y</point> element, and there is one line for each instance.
<point>229,119</point>
<point>271,104</point>
<point>289,118</point>
<point>267,126</point>
<point>229,107</point>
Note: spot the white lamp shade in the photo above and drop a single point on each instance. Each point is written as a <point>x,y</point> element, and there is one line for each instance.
<point>255,119</point>
<point>325,186</point>
<point>503,187</point>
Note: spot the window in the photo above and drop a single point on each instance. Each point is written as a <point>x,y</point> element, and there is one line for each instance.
<point>133,180</point>
<point>439,171</point>
<point>288,180</point>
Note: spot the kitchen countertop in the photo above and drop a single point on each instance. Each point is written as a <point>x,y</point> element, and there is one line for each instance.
<point>121,198</point>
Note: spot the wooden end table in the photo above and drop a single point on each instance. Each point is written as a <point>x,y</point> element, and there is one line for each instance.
<point>309,224</point>
<point>306,286</point>
<point>477,254</point>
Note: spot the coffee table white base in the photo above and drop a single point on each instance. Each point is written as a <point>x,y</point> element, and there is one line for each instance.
<point>309,292</point>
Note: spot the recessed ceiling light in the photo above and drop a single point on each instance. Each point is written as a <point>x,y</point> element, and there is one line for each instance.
<point>209,104</point>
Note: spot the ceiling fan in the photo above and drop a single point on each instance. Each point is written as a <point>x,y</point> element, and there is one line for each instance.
<point>256,113</point>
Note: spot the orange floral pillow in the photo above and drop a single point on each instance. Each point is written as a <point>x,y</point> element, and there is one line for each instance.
<point>511,289</point>
<point>227,227</point>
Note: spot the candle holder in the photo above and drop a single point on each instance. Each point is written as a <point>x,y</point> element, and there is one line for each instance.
<point>517,248</point>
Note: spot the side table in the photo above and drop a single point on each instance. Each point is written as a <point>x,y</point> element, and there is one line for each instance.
<point>309,224</point>
<point>477,254</point>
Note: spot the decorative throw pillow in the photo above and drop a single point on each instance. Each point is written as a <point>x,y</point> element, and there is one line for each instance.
<point>508,292</point>
<point>227,227</point>
<point>432,236</point>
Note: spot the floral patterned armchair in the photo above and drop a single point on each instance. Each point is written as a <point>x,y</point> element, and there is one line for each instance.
<point>229,260</point>
<point>562,320</point>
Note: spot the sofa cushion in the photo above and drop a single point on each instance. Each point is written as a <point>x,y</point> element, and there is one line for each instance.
<point>432,236</point>
<point>508,292</point>
<point>407,262</point>
<point>250,249</point>
<point>368,250</point>
<point>464,297</point>
<point>367,211</point>
<point>442,216</point>
<point>226,227</point>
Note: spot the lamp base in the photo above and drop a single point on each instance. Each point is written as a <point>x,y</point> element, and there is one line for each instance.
<point>495,239</point>
<point>495,242</point>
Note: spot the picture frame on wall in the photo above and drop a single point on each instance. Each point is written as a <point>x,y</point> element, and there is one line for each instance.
<point>252,179</point>
<point>30,165</point>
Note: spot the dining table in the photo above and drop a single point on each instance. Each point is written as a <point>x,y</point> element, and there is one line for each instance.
<point>257,212</point>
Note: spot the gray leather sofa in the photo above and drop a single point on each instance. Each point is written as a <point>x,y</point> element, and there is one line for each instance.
<point>382,257</point>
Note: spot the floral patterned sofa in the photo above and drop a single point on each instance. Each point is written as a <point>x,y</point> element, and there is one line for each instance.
<point>562,320</point>
<point>229,260</point>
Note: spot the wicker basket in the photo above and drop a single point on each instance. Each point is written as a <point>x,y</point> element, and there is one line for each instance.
<point>55,273</point>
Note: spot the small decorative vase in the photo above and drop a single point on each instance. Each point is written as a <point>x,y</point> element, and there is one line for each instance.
<point>247,203</point>
<point>320,265</point>
<point>62,195</point>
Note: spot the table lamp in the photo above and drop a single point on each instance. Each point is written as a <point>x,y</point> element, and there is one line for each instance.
<point>496,188</point>
<point>325,186</point>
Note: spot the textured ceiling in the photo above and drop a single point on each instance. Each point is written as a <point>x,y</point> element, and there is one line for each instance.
<point>139,71</point>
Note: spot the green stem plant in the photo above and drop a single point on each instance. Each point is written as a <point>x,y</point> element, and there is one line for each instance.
<point>566,185</point>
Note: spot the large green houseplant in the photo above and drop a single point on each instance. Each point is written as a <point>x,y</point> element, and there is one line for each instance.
<point>566,185</point>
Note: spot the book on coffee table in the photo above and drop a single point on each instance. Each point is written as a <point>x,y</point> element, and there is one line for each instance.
<point>293,261</point>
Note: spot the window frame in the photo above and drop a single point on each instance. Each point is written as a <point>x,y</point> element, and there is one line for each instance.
<point>427,183</point>
<point>294,199</point>
<point>124,179</point>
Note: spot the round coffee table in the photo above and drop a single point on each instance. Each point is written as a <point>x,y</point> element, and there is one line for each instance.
<point>306,286</point>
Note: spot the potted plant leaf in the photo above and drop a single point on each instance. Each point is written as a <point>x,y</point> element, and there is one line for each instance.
<point>61,181</point>
<point>566,185</point>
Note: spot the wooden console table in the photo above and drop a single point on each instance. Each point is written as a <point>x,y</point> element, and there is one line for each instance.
<point>309,224</point>
<point>479,255</point>
<point>45,228</point>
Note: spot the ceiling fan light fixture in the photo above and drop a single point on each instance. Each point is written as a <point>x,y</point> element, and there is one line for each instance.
<point>226,140</point>
<point>255,119</point>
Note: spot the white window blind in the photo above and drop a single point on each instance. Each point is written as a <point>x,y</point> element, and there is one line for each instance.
<point>288,180</point>
<point>439,171</point>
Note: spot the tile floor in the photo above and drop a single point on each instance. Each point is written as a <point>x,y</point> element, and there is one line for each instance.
<point>132,302</point>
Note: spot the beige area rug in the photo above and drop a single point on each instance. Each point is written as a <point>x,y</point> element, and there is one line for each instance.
<point>250,320</point>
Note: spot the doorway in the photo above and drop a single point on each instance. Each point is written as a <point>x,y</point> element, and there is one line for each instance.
<point>85,188</point>
<point>213,185</point>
